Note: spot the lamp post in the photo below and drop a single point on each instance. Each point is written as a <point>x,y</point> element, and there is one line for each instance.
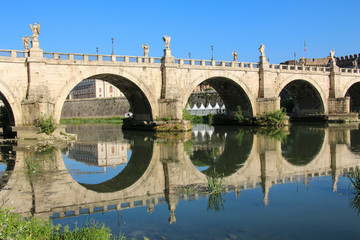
<point>112,46</point>
<point>97,52</point>
<point>294,58</point>
<point>212,52</point>
<point>189,55</point>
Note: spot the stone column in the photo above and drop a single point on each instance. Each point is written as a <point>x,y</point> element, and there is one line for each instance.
<point>37,102</point>
<point>266,101</point>
<point>169,104</point>
<point>337,104</point>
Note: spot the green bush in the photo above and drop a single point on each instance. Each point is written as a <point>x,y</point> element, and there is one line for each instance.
<point>12,226</point>
<point>275,118</point>
<point>47,125</point>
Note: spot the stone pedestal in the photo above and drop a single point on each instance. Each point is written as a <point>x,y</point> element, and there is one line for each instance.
<point>167,58</point>
<point>339,105</point>
<point>36,51</point>
<point>170,108</point>
<point>264,105</point>
<point>33,110</point>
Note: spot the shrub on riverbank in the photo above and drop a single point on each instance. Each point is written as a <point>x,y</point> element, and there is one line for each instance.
<point>12,226</point>
<point>46,124</point>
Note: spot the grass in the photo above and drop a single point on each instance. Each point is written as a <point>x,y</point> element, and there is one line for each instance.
<point>215,182</point>
<point>113,120</point>
<point>354,178</point>
<point>12,226</point>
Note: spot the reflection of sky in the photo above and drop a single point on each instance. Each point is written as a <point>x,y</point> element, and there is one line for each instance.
<point>2,167</point>
<point>202,168</point>
<point>90,174</point>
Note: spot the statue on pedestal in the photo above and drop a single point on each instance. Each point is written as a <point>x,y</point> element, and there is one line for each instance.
<point>235,56</point>
<point>35,30</point>
<point>167,41</point>
<point>146,49</point>
<point>26,43</point>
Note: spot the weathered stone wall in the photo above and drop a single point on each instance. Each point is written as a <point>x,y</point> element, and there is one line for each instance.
<point>95,108</point>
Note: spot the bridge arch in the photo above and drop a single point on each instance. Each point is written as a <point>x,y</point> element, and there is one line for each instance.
<point>140,97</point>
<point>309,97</point>
<point>352,90</point>
<point>232,90</point>
<point>12,105</point>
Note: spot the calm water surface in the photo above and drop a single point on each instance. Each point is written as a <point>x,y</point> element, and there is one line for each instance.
<point>279,185</point>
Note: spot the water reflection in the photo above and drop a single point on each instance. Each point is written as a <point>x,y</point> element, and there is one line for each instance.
<point>303,137</point>
<point>220,149</point>
<point>103,160</point>
<point>152,171</point>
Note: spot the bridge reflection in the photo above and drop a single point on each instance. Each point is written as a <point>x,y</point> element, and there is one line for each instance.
<point>158,166</point>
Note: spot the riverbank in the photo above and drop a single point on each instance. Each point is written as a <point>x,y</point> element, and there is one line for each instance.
<point>13,226</point>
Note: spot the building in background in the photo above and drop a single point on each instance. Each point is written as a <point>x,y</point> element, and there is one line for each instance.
<point>102,154</point>
<point>93,88</point>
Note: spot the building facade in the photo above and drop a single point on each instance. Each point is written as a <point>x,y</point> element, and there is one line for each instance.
<point>93,88</point>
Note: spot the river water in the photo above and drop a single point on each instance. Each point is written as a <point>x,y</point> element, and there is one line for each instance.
<point>290,184</point>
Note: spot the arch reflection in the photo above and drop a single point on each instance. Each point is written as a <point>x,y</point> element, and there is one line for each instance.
<point>302,144</point>
<point>222,149</point>
<point>124,161</point>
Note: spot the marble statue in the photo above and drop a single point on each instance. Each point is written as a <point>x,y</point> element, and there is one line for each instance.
<point>262,50</point>
<point>146,49</point>
<point>26,43</point>
<point>36,31</point>
<point>355,64</point>
<point>332,56</point>
<point>167,41</point>
<point>235,56</point>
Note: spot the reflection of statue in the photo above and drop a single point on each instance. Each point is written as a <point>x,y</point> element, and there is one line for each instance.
<point>146,49</point>
<point>167,41</point>
<point>26,43</point>
<point>235,55</point>
<point>36,31</point>
<point>262,50</point>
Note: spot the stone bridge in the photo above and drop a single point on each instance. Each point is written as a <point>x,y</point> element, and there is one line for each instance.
<point>35,83</point>
<point>164,166</point>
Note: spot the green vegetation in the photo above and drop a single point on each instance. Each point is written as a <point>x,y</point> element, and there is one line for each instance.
<point>269,119</point>
<point>74,121</point>
<point>215,182</point>
<point>275,118</point>
<point>12,226</point>
<point>354,178</point>
<point>47,125</point>
<point>239,115</point>
<point>209,119</point>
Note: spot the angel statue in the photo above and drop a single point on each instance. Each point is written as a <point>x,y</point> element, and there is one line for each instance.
<point>262,50</point>
<point>332,55</point>
<point>146,49</point>
<point>26,42</point>
<point>235,55</point>
<point>167,41</point>
<point>35,30</point>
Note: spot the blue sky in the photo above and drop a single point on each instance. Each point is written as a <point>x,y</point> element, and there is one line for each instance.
<point>80,26</point>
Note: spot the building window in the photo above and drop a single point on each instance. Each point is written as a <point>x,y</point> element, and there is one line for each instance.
<point>110,89</point>
<point>99,89</point>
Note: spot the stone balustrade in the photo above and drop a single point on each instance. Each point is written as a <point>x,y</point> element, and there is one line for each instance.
<point>182,62</point>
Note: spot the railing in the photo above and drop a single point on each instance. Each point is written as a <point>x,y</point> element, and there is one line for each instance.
<point>13,54</point>
<point>186,62</point>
